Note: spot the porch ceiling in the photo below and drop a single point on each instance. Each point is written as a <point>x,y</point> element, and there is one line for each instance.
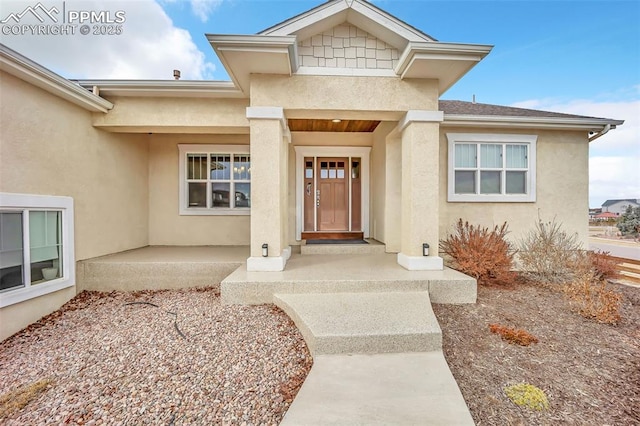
<point>317,125</point>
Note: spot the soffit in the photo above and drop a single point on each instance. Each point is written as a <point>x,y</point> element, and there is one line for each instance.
<point>319,125</point>
<point>243,55</point>
<point>445,62</point>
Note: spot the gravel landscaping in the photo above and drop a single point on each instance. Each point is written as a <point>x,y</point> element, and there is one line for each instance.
<point>164,357</point>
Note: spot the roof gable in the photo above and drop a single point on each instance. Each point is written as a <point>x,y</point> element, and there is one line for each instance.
<point>359,13</point>
<point>414,54</point>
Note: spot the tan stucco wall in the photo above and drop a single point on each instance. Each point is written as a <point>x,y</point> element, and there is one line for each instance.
<point>175,115</point>
<point>15,317</point>
<point>166,226</point>
<point>49,147</point>
<point>562,187</point>
<point>346,94</point>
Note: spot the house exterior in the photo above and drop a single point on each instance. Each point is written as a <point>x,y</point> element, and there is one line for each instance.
<point>617,207</point>
<point>332,125</point>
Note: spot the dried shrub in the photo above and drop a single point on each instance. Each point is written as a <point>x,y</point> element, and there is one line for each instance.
<point>604,266</point>
<point>485,255</point>
<point>548,253</point>
<point>526,395</point>
<point>593,298</point>
<point>513,335</point>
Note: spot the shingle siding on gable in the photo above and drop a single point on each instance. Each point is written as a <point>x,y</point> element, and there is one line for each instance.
<point>346,46</point>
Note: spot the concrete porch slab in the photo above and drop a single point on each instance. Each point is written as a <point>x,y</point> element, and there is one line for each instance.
<point>346,274</point>
<point>387,389</point>
<point>160,267</point>
<point>343,323</point>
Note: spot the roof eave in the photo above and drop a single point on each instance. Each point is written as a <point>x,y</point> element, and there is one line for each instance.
<point>589,124</point>
<point>233,50</point>
<point>164,88</point>
<point>25,69</point>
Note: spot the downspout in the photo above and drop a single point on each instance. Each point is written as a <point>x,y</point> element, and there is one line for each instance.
<point>600,133</point>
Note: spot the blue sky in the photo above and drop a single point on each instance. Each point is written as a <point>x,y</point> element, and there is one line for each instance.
<point>580,57</point>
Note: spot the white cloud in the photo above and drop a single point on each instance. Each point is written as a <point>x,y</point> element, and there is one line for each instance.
<point>202,8</point>
<point>150,46</point>
<point>614,163</point>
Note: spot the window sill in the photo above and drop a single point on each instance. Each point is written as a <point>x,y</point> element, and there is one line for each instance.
<point>215,212</point>
<point>11,297</point>
<point>468,198</point>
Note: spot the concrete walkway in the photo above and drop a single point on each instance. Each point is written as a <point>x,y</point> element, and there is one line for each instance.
<point>388,389</point>
<point>377,360</point>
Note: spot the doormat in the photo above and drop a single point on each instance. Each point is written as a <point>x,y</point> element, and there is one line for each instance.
<point>337,242</point>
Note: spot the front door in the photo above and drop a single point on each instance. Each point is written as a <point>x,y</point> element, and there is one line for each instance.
<point>332,195</point>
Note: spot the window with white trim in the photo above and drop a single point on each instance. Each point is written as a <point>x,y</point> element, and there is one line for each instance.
<point>491,167</point>
<point>36,246</point>
<point>215,179</point>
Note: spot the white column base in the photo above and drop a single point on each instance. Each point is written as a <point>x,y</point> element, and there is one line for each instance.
<point>420,263</point>
<point>269,264</point>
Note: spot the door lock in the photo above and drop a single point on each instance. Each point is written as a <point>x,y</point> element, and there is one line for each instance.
<point>318,198</point>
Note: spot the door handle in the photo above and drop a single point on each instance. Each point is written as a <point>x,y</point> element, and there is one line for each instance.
<point>318,198</point>
<point>308,190</point>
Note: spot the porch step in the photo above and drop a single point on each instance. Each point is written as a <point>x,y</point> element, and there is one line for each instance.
<point>373,247</point>
<point>375,273</point>
<point>364,323</point>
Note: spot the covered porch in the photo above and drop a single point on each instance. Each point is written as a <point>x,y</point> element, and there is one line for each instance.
<point>345,271</point>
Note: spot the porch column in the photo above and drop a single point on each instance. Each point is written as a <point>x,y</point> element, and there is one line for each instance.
<point>393,193</point>
<point>269,153</point>
<point>420,189</point>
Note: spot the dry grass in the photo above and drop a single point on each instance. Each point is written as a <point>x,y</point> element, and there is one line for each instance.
<point>16,400</point>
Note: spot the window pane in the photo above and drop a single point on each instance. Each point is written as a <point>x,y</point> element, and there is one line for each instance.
<point>243,195</point>
<point>220,167</point>
<point>220,194</point>
<point>516,156</point>
<point>197,194</point>
<point>491,156</point>
<point>490,182</point>
<point>241,167</point>
<point>516,183</point>
<point>45,238</point>
<point>465,182</point>
<point>196,166</point>
<point>465,155</point>
<point>11,258</point>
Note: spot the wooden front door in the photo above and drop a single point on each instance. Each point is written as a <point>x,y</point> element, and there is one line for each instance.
<point>332,198</point>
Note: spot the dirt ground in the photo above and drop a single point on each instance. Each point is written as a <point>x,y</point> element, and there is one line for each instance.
<point>590,372</point>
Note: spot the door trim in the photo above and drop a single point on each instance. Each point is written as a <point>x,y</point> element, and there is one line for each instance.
<point>363,152</point>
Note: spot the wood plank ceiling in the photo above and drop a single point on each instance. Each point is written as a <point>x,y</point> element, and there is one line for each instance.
<point>314,125</point>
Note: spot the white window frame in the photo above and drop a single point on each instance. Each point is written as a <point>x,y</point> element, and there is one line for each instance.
<point>208,149</point>
<point>500,139</point>
<point>25,203</point>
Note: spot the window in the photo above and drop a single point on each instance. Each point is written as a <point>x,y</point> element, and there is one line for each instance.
<point>215,179</point>
<point>36,246</point>
<point>491,167</point>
